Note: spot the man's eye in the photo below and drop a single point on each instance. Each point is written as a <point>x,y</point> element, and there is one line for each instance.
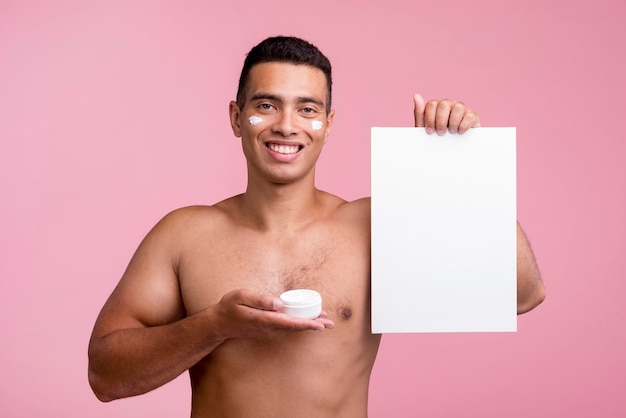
<point>266,106</point>
<point>308,110</point>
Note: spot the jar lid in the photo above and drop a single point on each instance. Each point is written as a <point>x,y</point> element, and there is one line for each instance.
<point>301,297</point>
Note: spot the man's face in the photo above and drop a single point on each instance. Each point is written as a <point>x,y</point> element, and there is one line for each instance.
<point>283,123</point>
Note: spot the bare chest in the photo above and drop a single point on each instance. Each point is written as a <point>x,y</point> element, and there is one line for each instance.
<point>335,262</point>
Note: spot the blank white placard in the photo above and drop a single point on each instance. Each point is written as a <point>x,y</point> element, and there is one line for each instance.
<point>443,231</point>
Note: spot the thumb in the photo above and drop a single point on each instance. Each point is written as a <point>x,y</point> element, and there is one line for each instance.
<point>255,300</point>
<point>419,110</point>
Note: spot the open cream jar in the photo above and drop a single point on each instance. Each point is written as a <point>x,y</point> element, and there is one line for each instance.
<point>302,303</point>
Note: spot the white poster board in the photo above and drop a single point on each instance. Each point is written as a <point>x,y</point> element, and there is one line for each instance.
<point>443,231</point>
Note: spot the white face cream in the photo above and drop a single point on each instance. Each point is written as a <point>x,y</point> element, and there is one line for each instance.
<point>316,125</point>
<point>255,120</point>
<point>302,303</point>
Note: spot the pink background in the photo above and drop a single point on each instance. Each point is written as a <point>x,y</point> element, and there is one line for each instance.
<point>114,113</point>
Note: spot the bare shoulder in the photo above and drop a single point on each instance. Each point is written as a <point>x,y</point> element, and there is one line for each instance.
<point>185,222</point>
<point>354,213</point>
<point>359,209</point>
<point>148,292</point>
<point>362,206</point>
<point>190,216</point>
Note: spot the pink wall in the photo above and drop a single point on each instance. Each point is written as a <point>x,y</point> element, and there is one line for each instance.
<point>113,113</point>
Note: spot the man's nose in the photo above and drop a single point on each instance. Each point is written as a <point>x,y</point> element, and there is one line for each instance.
<point>286,123</point>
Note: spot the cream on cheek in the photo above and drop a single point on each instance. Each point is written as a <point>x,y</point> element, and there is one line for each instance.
<point>316,125</point>
<point>255,120</point>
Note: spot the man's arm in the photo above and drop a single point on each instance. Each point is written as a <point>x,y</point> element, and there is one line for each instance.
<point>441,115</point>
<point>530,289</point>
<point>142,338</point>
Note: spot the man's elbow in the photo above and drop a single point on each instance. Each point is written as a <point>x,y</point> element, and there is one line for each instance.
<point>105,391</point>
<point>531,299</point>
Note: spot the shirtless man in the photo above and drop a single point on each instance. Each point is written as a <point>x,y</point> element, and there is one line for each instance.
<point>201,291</point>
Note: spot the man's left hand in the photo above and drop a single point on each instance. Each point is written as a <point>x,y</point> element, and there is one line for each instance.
<point>439,115</point>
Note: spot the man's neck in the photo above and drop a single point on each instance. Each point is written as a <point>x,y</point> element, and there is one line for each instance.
<point>281,207</point>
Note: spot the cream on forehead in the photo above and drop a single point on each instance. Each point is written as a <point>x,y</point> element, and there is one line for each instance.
<point>316,125</point>
<point>255,120</point>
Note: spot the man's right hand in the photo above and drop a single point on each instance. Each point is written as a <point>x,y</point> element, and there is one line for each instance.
<point>244,313</point>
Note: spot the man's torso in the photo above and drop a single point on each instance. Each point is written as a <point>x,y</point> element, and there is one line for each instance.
<point>306,373</point>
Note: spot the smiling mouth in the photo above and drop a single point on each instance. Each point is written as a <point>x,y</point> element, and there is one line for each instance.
<point>284,149</point>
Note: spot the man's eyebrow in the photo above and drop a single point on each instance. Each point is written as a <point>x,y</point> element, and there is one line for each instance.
<point>267,96</point>
<point>277,98</point>
<point>309,99</point>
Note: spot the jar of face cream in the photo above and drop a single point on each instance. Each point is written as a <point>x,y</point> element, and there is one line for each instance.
<point>302,303</point>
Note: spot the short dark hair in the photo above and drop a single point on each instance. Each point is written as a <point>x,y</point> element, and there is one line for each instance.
<point>286,49</point>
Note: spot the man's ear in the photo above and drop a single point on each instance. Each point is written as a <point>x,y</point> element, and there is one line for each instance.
<point>329,124</point>
<point>235,119</point>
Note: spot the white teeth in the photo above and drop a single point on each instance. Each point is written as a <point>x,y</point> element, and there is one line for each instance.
<point>284,149</point>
